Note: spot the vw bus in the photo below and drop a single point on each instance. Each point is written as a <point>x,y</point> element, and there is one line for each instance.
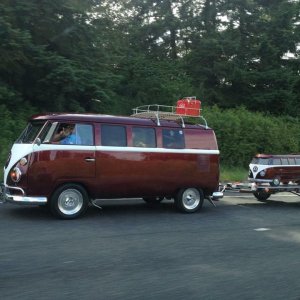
<point>147,155</point>
<point>274,173</point>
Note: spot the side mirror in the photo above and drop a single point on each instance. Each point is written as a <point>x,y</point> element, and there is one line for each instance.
<point>38,141</point>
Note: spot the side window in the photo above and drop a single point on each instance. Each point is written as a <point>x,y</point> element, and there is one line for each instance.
<point>284,161</point>
<point>276,161</point>
<point>297,161</point>
<point>73,134</point>
<point>173,138</point>
<point>113,135</point>
<point>143,137</point>
<point>85,132</point>
<point>291,161</point>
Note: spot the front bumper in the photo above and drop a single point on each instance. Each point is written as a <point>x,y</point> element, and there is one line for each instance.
<point>260,180</point>
<point>6,196</point>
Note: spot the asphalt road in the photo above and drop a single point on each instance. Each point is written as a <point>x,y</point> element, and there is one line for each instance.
<point>243,249</point>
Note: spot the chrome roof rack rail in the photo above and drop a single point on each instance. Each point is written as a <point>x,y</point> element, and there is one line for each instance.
<point>163,112</point>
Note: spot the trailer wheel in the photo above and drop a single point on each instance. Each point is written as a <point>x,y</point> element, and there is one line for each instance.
<point>153,200</point>
<point>189,200</point>
<point>69,201</point>
<point>261,196</point>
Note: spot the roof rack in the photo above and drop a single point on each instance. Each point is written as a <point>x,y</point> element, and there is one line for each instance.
<point>164,112</point>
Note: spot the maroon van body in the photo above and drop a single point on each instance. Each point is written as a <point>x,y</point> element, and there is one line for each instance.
<point>106,163</point>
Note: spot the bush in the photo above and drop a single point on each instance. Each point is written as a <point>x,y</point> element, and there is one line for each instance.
<point>242,134</point>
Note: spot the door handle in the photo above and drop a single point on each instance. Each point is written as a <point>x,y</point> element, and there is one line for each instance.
<point>89,159</point>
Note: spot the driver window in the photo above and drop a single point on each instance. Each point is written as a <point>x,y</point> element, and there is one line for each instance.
<point>73,134</point>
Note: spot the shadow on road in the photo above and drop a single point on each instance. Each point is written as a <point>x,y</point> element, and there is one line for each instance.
<point>109,208</point>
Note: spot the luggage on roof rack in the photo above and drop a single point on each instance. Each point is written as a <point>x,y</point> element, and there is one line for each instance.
<point>189,106</point>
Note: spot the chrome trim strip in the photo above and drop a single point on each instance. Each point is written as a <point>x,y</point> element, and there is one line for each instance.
<point>155,150</point>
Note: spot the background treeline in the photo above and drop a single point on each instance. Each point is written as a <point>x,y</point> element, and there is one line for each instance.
<point>240,57</point>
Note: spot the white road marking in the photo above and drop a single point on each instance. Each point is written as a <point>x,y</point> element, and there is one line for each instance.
<point>262,229</point>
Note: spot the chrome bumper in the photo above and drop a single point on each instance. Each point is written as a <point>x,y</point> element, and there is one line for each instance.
<point>6,196</point>
<point>260,180</point>
<point>217,195</point>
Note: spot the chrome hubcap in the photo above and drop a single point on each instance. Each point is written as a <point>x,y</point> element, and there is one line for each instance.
<point>191,198</point>
<point>70,201</point>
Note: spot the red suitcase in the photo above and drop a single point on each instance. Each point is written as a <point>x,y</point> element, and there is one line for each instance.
<point>188,106</point>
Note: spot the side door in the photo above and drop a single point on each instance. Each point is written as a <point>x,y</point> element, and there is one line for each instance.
<point>56,162</point>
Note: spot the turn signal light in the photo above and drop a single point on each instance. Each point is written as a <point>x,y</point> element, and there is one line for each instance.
<point>15,175</point>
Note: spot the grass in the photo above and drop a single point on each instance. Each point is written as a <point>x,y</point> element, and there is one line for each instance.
<point>233,174</point>
<point>227,174</point>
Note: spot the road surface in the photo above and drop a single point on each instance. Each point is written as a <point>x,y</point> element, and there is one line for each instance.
<point>242,249</point>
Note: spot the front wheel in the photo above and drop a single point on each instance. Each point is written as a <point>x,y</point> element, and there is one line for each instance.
<point>189,200</point>
<point>69,201</point>
<point>261,196</point>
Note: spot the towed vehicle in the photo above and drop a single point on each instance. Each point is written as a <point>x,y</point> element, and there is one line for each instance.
<point>66,161</point>
<point>270,174</point>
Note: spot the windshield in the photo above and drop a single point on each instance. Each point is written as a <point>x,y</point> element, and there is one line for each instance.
<point>30,133</point>
<point>260,161</point>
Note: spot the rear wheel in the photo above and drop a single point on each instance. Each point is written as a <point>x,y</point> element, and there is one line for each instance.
<point>69,201</point>
<point>189,200</point>
<point>261,196</point>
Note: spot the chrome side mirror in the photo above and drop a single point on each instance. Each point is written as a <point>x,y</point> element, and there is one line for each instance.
<point>38,141</point>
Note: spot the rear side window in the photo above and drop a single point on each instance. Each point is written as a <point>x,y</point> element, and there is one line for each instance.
<point>276,161</point>
<point>291,161</point>
<point>113,135</point>
<point>143,137</point>
<point>173,138</point>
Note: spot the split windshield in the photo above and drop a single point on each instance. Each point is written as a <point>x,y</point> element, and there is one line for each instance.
<point>30,132</point>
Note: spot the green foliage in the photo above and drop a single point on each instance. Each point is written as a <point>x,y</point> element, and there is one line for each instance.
<point>242,134</point>
<point>110,56</point>
<point>149,81</point>
<point>233,174</point>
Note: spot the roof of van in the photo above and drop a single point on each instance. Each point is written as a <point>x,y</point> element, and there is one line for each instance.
<point>90,117</point>
<point>261,155</point>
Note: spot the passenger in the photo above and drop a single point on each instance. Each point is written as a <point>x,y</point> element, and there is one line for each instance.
<point>173,140</point>
<point>138,139</point>
<point>67,136</point>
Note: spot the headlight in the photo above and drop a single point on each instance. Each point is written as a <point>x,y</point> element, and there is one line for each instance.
<point>276,181</point>
<point>262,173</point>
<point>15,174</point>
